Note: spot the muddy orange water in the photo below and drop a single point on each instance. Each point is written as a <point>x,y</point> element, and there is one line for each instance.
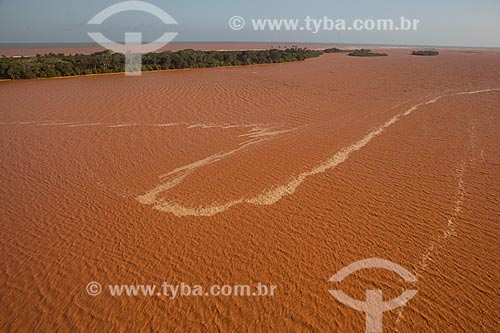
<point>279,174</point>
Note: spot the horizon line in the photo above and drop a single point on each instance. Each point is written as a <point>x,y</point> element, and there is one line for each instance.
<point>266,42</point>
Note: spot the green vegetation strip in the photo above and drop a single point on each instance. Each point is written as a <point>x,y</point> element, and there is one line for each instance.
<point>425,53</point>
<point>366,53</point>
<point>55,65</point>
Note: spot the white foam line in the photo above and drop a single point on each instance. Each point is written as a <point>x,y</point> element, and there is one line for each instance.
<point>210,159</point>
<point>266,133</point>
<point>165,125</point>
<point>55,124</point>
<point>21,123</point>
<point>123,125</point>
<point>255,127</point>
<point>449,229</point>
<point>86,125</point>
<point>223,126</point>
<point>257,134</point>
<point>477,91</point>
<point>36,123</point>
<point>275,194</point>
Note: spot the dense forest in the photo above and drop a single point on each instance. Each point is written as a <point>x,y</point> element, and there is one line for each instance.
<point>53,65</point>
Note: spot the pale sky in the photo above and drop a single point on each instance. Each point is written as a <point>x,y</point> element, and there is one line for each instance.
<point>443,22</point>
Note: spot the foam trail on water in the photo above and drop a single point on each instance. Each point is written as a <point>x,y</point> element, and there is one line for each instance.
<point>450,228</point>
<point>86,125</point>
<point>273,195</point>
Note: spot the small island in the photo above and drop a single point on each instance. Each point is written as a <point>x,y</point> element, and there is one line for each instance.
<point>366,53</point>
<point>425,53</point>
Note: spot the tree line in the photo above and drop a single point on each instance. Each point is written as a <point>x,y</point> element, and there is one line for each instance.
<point>54,65</point>
<point>425,53</point>
<point>366,53</point>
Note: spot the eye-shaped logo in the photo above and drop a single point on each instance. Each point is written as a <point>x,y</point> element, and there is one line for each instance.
<point>374,306</point>
<point>133,47</point>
